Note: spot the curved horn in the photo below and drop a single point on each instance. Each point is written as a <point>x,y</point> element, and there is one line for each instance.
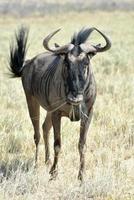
<point>108,43</point>
<point>62,49</point>
<point>88,48</point>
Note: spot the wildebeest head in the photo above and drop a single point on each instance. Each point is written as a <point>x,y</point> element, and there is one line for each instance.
<point>77,55</point>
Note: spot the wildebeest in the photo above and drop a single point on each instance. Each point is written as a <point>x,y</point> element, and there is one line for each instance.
<point>60,80</point>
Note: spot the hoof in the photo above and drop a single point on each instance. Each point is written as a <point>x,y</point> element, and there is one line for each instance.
<point>53,174</point>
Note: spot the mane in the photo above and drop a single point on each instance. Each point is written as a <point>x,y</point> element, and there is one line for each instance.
<point>81,36</point>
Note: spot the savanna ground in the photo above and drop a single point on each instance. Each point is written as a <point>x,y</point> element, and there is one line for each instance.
<point>110,142</point>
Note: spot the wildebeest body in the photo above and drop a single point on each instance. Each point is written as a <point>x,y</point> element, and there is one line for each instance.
<point>62,82</point>
<point>42,77</point>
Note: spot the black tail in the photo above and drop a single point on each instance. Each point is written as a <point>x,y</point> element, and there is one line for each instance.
<point>18,51</point>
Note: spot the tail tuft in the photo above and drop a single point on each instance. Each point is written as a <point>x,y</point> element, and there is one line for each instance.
<point>18,50</point>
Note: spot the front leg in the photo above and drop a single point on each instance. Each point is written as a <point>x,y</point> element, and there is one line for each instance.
<point>56,122</point>
<point>46,132</point>
<point>85,122</point>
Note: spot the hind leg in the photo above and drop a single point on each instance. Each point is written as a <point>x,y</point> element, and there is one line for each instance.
<point>34,112</point>
<point>46,132</point>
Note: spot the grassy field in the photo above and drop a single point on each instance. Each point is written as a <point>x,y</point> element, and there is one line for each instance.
<point>110,143</point>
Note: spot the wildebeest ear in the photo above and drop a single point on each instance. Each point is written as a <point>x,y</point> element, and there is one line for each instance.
<point>91,54</point>
<point>98,45</point>
<point>57,45</point>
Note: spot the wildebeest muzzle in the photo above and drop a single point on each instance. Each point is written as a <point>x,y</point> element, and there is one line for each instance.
<point>74,99</point>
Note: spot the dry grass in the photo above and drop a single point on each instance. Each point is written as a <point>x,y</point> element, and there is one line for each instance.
<point>110,143</point>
